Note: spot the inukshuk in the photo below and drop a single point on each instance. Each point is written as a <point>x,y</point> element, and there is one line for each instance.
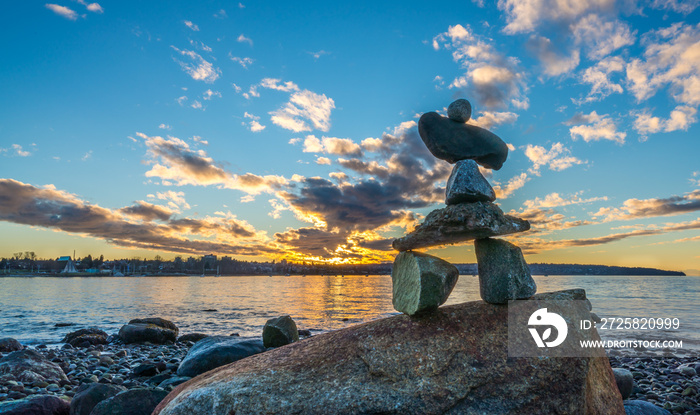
<point>423,282</point>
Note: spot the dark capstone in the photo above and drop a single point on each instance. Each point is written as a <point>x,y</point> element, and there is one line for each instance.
<point>36,405</point>
<point>625,381</point>
<point>452,361</point>
<point>460,223</point>
<point>152,330</point>
<point>459,110</point>
<point>280,331</point>
<point>503,272</point>
<point>643,408</point>
<point>131,402</point>
<point>8,344</point>
<point>30,366</point>
<point>215,351</point>
<point>90,335</point>
<point>453,141</point>
<point>145,369</point>
<point>192,337</point>
<point>90,395</point>
<point>467,184</point>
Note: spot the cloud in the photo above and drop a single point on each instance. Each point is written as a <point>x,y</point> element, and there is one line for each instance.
<point>93,7</point>
<point>332,145</point>
<point>129,227</point>
<point>555,63</point>
<point>243,39</point>
<point>176,200</point>
<point>199,69</point>
<point>87,156</point>
<point>596,127</point>
<point>165,127</point>
<point>17,150</point>
<point>490,119</point>
<point>253,125</point>
<point>192,26</point>
<point>602,37</point>
<point>636,208</point>
<point>181,100</point>
<point>679,119</point>
<point>244,62</point>
<point>318,54</point>
<point>493,79</point>
<point>515,183</point>
<point>671,59</point>
<point>197,105</point>
<point>524,16</point>
<point>147,211</point>
<point>555,200</point>
<point>599,77</point>
<point>175,163</point>
<point>221,14</point>
<point>208,94</point>
<point>277,84</point>
<point>678,6</point>
<point>62,11</point>
<point>323,160</point>
<point>305,107</point>
<point>557,158</point>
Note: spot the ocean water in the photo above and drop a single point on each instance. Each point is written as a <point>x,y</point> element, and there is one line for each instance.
<point>31,307</point>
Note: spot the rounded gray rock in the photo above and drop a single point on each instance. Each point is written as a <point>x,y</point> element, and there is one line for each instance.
<point>86,399</point>
<point>625,381</point>
<point>35,405</point>
<point>8,344</point>
<point>132,402</point>
<point>466,184</point>
<point>214,351</point>
<point>460,111</point>
<point>643,408</point>
<point>452,141</point>
<point>152,330</point>
<point>421,282</point>
<point>503,272</point>
<point>280,331</point>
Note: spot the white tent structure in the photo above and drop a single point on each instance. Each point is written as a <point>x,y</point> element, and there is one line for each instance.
<point>70,267</point>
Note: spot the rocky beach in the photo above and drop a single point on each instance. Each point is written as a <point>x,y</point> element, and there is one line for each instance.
<point>80,377</point>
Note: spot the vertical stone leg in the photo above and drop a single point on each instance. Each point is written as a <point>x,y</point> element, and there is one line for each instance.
<point>503,272</point>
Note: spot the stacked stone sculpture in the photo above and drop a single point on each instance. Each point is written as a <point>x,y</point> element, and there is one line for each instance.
<point>423,282</point>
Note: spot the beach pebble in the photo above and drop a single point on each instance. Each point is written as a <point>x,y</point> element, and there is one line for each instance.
<point>8,345</point>
<point>192,337</point>
<point>637,407</point>
<point>687,371</point>
<point>89,396</point>
<point>280,331</point>
<point>467,184</point>
<point>35,405</point>
<point>503,272</point>
<point>215,351</point>
<point>625,381</point>
<point>459,110</point>
<point>421,282</point>
<point>132,402</point>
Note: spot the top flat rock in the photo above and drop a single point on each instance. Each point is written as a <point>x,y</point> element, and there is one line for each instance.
<point>460,223</point>
<point>453,141</point>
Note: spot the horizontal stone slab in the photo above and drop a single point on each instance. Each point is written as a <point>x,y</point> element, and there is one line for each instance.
<point>460,223</point>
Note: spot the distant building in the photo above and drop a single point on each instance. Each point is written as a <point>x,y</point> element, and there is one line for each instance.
<point>70,267</point>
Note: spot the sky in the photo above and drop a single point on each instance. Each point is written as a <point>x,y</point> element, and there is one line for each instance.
<point>288,130</point>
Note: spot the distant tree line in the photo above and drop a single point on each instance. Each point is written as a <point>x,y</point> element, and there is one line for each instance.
<point>28,263</point>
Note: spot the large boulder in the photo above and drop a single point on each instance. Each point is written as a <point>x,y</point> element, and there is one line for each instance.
<point>215,351</point>
<point>36,405</point>
<point>92,394</point>
<point>8,345</point>
<point>453,141</point>
<point>30,366</point>
<point>421,282</point>
<point>460,223</point>
<point>454,360</point>
<point>466,184</point>
<point>151,330</point>
<point>88,336</point>
<point>503,272</point>
<point>131,402</point>
<point>280,331</point>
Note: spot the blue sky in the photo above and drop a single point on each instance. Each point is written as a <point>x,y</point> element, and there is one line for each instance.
<point>266,130</point>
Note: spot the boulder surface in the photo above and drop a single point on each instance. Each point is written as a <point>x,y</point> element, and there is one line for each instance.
<point>460,223</point>
<point>453,360</point>
<point>131,402</point>
<point>35,405</point>
<point>88,336</point>
<point>421,282</point>
<point>280,331</point>
<point>90,395</point>
<point>30,366</point>
<point>8,344</point>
